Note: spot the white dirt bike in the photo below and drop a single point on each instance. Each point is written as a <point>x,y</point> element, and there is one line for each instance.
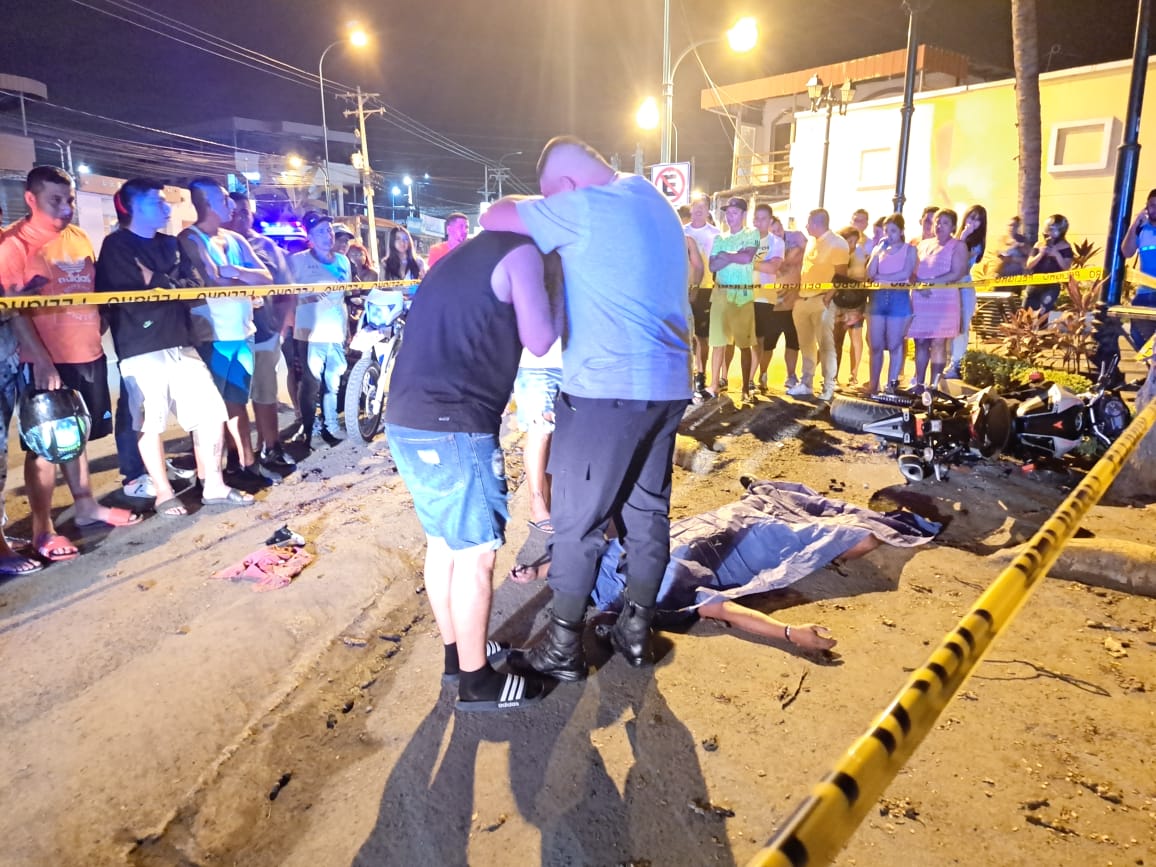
<point>378,339</point>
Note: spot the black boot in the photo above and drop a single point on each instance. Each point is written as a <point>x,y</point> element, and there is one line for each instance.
<point>631,636</point>
<point>558,654</point>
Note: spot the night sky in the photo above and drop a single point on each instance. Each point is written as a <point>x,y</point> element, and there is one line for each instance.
<point>502,75</point>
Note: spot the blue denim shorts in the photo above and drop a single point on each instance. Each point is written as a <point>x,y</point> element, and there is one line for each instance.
<point>535,390</point>
<point>458,484</point>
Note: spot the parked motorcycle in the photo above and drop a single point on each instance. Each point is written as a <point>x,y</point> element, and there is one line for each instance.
<point>934,430</point>
<point>378,339</point>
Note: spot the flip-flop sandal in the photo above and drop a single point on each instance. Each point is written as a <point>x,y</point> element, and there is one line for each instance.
<point>516,692</point>
<point>13,565</point>
<point>535,551</point>
<point>496,653</point>
<point>173,508</point>
<point>233,498</point>
<point>56,548</point>
<point>117,517</point>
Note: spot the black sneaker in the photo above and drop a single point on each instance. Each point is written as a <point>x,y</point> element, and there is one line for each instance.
<point>330,438</point>
<point>251,476</point>
<point>700,382</point>
<point>277,458</point>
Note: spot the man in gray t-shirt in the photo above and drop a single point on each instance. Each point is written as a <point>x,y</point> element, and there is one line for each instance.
<point>626,380</point>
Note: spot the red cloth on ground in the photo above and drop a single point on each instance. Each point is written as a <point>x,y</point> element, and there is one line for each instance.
<point>272,567</point>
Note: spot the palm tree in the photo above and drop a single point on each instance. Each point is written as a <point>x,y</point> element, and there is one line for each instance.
<point>1026,58</point>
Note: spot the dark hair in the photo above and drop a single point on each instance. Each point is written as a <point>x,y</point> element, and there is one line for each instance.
<point>129,192</point>
<point>977,240</point>
<point>40,176</point>
<point>763,206</point>
<point>882,221</point>
<point>684,212</point>
<point>456,215</point>
<point>930,209</point>
<point>239,197</point>
<point>947,212</point>
<point>897,219</point>
<point>859,211</point>
<point>849,232</point>
<point>824,213</point>
<point>1061,221</point>
<point>199,188</point>
<point>1151,194</point>
<point>394,270</point>
<point>571,141</point>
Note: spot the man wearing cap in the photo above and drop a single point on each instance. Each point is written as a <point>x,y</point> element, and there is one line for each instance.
<point>457,230</point>
<point>342,237</point>
<point>319,326</point>
<point>732,314</point>
<point>224,326</point>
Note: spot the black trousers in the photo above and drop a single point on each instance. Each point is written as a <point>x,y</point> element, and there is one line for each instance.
<point>610,459</point>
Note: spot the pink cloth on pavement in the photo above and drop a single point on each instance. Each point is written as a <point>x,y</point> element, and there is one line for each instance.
<point>271,567</point>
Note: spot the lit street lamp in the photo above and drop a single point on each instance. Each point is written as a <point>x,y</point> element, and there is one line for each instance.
<point>742,38</point>
<point>830,97</point>
<point>358,38</point>
<point>394,192</point>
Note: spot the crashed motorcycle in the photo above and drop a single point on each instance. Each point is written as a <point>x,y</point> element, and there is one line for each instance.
<point>378,339</point>
<point>934,430</point>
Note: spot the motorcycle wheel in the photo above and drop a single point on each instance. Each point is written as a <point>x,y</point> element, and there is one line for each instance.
<point>853,413</point>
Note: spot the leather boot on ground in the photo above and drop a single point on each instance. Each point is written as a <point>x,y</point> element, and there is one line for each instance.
<point>558,652</point>
<point>631,634</point>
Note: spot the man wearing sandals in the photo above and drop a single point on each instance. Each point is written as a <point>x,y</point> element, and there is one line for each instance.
<point>160,368</point>
<point>59,346</point>
<point>626,381</point>
<point>449,386</point>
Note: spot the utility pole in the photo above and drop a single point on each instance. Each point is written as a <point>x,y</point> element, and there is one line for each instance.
<point>366,173</point>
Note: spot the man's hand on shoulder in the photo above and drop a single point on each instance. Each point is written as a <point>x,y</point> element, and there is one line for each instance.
<point>502,215</point>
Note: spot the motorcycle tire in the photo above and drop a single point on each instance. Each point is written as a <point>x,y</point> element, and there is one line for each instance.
<point>853,413</point>
<point>363,381</point>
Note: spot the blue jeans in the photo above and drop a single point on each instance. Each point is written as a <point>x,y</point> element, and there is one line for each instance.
<point>458,484</point>
<point>1142,329</point>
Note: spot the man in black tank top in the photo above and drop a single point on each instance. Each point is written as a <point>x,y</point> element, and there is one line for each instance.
<point>452,380</point>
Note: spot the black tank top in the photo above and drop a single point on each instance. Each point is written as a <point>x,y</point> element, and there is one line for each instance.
<point>460,354</point>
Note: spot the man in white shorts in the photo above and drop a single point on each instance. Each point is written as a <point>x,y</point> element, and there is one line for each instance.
<point>160,370</point>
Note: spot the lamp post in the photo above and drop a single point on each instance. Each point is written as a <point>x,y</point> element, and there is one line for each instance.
<point>357,38</point>
<point>742,38</point>
<point>830,97</point>
<point>394,192</point>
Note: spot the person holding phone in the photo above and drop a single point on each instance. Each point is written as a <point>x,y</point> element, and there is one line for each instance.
<point>1141,239</point>
<point>1053,255</point>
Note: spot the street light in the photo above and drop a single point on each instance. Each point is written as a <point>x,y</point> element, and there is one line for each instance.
<point>357,38</point>
<point>741,37</point>
<point>394,192</point>
<point>647,116</point>
<point>830,97</point>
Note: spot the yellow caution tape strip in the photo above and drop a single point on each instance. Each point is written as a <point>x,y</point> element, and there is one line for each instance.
<point>985,284</point>
<point>825,821</point>
<point>22,302</point>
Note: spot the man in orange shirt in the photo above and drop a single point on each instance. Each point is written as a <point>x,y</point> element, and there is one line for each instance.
<point>59,347</point>
<point>457,230</point>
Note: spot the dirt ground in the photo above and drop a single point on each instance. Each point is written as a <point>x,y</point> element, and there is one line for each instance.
<point>153,716</point>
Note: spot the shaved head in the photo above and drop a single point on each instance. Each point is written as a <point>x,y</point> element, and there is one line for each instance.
<point>568,163</point>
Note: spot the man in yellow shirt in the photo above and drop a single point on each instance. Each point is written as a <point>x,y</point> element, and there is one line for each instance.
<point>825,257</point>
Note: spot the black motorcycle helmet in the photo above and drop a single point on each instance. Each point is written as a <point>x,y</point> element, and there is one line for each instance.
<point>54,424</point>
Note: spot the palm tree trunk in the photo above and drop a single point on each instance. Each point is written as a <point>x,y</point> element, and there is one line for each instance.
<point>1026,57</point>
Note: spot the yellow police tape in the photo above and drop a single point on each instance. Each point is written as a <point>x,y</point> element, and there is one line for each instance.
<point>983,284</point>
<point>21,302</point>
<point>825,821</point>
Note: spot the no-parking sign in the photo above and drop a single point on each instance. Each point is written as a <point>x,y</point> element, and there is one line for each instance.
<point>673,181</point>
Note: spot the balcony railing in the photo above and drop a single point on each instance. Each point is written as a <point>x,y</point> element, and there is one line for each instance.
<point>762,169</point>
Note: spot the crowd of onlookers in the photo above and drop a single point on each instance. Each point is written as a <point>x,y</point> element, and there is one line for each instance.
<point>210,365</point>
<point>754,285</point>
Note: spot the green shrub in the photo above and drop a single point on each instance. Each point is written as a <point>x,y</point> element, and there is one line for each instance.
<point>982,369</point>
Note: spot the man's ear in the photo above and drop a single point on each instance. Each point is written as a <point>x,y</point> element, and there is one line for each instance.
<point>30,199</point>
